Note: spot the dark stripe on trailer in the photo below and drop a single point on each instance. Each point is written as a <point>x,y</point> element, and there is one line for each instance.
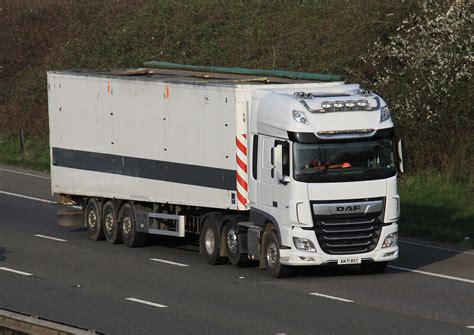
<point>146,168</point>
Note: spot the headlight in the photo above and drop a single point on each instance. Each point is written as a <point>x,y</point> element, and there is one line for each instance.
<point>384,114</point>
<point>300,117</point>
<point>390,240</point>
<point>303,244</point>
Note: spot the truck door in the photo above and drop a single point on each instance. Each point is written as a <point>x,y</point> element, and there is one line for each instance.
<point>272,193</point>
<point>265,180</point>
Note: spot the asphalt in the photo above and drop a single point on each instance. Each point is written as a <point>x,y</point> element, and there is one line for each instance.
<point>86,283</point>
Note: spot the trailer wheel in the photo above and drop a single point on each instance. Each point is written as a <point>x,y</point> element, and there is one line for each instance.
<point>110,225</point>
<point>209,242</point>
<point>130,236</point>
<point>93,221</point>
<point>232,244</point>
<point>373,267</point>
<point>271,255</point>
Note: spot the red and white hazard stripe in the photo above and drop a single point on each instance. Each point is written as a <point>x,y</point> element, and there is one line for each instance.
<point>242,171</point>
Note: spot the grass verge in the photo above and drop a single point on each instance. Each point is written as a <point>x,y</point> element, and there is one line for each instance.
<point>35,155</point>
<point>436,208</point>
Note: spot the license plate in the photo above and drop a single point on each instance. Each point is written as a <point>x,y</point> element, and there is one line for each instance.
<point>347,261</point>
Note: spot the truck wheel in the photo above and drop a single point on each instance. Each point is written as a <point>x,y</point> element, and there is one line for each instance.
<point>130,236</point>
<point>209,243</point>
<point>232,245</point>
<point>271,251</point>
<point>110,225</point>
<point>373,267</point>
<point>92,220</point>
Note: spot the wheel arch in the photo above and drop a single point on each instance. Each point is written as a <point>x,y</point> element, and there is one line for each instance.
<point>263,219</point>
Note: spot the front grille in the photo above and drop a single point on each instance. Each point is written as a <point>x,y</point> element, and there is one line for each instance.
<point>348,233</point>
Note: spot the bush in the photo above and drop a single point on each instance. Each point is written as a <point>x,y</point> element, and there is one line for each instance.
<point>424,69</point>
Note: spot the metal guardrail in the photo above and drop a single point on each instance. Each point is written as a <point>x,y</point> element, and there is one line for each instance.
<point>14,323</point>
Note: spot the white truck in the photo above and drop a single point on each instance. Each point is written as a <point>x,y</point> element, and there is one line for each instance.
<point>256,164</point>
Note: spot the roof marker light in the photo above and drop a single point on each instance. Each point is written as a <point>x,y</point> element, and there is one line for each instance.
<point>362,103</point>
<point>384,114</point>
<point>339,104</point>
<point>350,103</point>
<point>300,117</point>
<point>327,104</point>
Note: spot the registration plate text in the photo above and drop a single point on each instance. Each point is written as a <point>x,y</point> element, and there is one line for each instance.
<point>347,261</point>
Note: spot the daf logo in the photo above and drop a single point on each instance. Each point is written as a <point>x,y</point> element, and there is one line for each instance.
<point>344,208</point>
<point>348,208</point>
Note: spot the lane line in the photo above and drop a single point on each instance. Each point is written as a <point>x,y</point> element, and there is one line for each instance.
<point>52,202</point>
<point>470,327</point>
<point>146,302</point>
<point>24,173</point>
<point>331,297</point>
<point>435,247</point>
<point>16,271</point>
<point>50,238</point>
<point>167,262</point>
<point>470,281</point>
<point>26,197</point>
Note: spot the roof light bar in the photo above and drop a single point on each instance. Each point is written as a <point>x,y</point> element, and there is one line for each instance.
<point>344,105</point>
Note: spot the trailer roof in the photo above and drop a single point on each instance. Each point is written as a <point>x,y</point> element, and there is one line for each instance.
<point>186,76</point>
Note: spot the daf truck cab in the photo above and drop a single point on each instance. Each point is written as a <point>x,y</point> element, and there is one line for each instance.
<point>324,173</point>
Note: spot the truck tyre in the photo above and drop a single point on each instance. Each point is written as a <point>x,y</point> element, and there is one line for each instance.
<point>209,242</point>
<point>110,225</point>
<point>232,246</point>
<point>126,220</point>
<point>92,220</point>
<point>373,267</point>
<point>271,249</point>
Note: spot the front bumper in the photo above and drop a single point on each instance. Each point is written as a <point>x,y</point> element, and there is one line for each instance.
<point>296,257</point>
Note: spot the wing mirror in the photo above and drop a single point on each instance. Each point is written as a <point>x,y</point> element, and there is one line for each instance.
<point>400,167</point>
<point>279,160</point>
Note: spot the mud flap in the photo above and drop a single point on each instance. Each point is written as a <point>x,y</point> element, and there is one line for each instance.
<point>70,217</point>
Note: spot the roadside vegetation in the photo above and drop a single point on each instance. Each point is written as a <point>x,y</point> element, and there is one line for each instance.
<point>34,156</point>
<point>437,208</point>
<point>417,54</point>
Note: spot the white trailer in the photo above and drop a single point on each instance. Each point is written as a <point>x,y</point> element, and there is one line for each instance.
<point>287,172</point>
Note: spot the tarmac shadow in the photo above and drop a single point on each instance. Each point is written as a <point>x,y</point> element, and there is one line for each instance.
<point>3,251</point>
<point>418,256</point>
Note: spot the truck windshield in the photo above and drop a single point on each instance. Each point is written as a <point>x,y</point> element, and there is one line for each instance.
<point>343,161</point>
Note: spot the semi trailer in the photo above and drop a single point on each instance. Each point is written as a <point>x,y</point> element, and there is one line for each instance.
<point>281,168</point>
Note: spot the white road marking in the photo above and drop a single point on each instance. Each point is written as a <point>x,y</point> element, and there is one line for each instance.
<point>51,238</point>
<point>26,197</point>
<point>470,281</point>
<point>331,297</point>
<point>167,262</point>
<point>435,247</point>
<point>36,199</point>
<point>16,271</point>
<point>146,302</point>
<point>25,173</point>
<point>470,327</point>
